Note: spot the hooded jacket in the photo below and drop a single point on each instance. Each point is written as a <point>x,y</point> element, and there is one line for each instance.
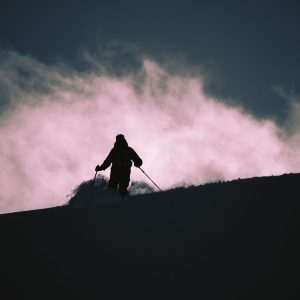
<point>121,156</point>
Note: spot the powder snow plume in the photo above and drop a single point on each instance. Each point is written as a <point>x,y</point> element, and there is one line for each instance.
<point>58,124</point>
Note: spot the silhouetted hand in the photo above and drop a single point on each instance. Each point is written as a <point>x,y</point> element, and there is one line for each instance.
<point>98,168</point>
<point>137,164</point>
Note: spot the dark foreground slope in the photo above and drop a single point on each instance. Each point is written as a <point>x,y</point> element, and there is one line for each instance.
<point>236,240</point>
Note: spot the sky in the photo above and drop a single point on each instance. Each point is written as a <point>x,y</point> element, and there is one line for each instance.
<point>203,91</point>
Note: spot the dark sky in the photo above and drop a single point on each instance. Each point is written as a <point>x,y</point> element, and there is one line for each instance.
<point>250,46</point>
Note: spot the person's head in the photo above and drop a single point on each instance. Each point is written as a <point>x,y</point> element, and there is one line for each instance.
<point>121,141</point>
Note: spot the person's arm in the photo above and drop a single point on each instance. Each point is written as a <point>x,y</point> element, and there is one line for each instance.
<point>107,162</point>
<point>135,158</point>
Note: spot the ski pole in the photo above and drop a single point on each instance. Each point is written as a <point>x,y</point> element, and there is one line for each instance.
<point>95,178</point>
<point>150,179</point>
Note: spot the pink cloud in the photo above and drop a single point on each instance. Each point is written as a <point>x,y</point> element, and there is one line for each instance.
<point>52,138</point>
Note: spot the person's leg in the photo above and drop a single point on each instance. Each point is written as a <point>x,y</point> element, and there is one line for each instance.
<point>114,179</point>
<point>124,182</point>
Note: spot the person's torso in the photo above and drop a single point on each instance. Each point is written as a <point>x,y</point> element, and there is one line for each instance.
<point>122,157</point>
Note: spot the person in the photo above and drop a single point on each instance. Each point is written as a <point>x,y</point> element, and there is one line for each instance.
<point>120,157</point>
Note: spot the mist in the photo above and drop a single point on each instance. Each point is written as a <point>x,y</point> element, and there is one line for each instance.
<point>57,124</point>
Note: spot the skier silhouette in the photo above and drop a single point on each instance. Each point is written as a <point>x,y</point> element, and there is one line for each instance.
<point>120,157</point>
